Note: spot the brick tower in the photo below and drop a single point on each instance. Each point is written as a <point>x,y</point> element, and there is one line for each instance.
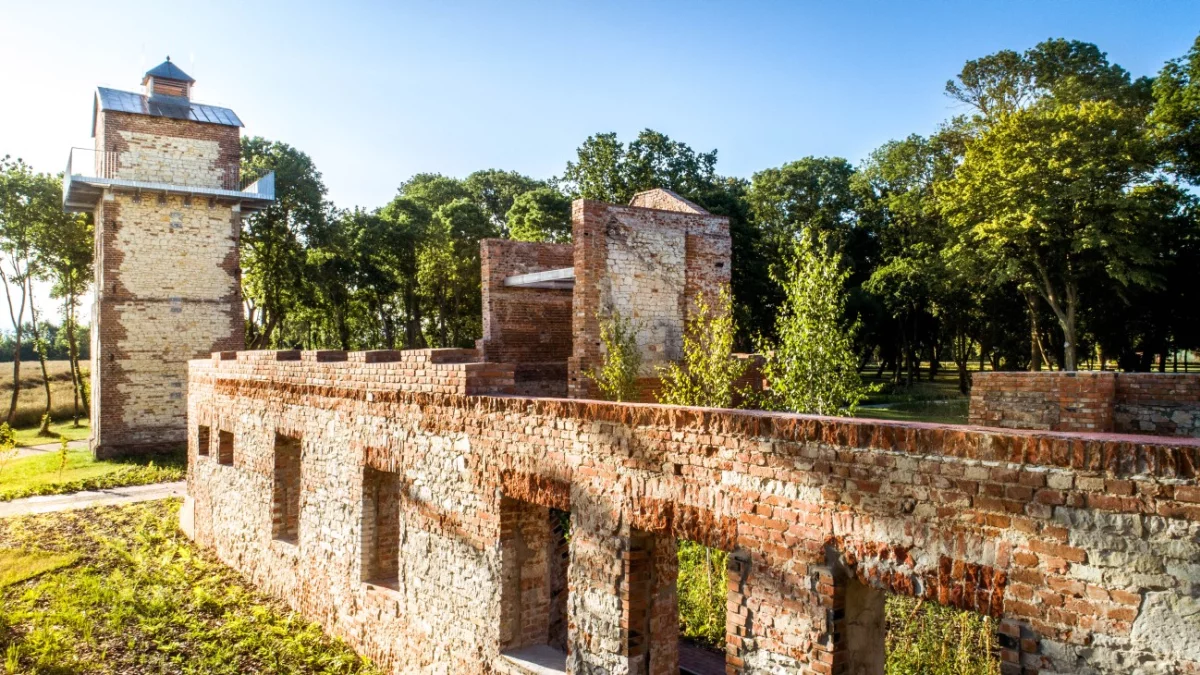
<point>165,186</point>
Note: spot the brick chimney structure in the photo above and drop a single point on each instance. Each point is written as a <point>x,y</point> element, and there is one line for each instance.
<point>165,186</point>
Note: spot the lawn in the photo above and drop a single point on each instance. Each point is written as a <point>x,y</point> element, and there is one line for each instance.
<point>141,598</point>
<point>46,474</point>
<point>937,400</point>
<point>941,412</point>
<point>28,436</point>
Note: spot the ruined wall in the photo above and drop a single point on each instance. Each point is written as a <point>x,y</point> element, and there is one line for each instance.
<point>1149,403</point>
<point>528,327</point>
<point>1083,545</point>
<point>647,264</point>
<point>1166,404</point>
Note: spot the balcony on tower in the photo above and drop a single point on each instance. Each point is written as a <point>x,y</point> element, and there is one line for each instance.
<point>160,142</point>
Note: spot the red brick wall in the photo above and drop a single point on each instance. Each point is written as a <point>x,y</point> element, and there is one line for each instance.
<point>1155,403</point>
<point>527,327</point>
<point>606,238</point>
<point>1039,529</point>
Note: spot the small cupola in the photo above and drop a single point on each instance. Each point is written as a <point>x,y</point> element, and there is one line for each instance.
<point>166,79</point>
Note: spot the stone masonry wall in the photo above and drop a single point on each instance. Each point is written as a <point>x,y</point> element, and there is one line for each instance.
<point>166,150</point>
<point>1154,403</point>
<point>648,264</point>
<point>528,327</point>
<point>1084,546</point>
<point>168,280</point>
<point>167,291</point>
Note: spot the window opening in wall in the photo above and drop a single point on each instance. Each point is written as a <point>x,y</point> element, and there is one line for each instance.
<point>534,557</point>
<point>381,528</point>
<point>225,447</point>
<point>702,588</point>
<point>203,440</point>
<point>285,501</point>
<point>920,636</point>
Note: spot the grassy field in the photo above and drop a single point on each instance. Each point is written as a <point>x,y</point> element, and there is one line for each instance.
<point>140,598</point>
<point>47,474</point>
<point>31,401</point>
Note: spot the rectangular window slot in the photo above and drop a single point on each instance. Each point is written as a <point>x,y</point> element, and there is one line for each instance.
<point>225,447</point>
<point>285,501</point>
<point>381,528</point>
<point>203,440</point>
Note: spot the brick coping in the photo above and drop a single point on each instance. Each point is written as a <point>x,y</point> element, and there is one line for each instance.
<point>1111,453</point>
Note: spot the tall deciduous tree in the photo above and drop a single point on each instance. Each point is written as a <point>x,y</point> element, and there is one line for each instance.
<point>606,169</point>
<point>273,241</point>
<point>1176,116</point>
<point>63,244</point>
<point>1054,192</point>
<point>542,214</point>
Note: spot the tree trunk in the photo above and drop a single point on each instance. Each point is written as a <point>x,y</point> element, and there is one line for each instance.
<point>72,355</point>
<point>17,318</point>
<point>1035,336</point>
<point>40,348</point>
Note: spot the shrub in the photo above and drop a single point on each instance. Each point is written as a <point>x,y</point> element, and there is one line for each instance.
<point>617,377</point>
<point>709,370</point>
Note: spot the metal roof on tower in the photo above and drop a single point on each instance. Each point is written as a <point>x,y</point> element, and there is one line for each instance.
<point>175,107</point>
<point>168,71</point>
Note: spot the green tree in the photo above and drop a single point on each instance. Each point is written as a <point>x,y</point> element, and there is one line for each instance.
<point>542,214</point>
<point>708,375</point>
<point>273,241</point>
<point>1052,194</point>
<point>495,191</point>
<point>63,245</point>
<point>811,366</point>
<point>27,202</point>
<point>810,196</point>
<point>1176,117</point>
<point>605,169</point>
<point>448,272</point>
<point>617,376</point>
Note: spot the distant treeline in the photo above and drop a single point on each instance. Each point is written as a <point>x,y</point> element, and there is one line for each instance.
<point>55,339</point>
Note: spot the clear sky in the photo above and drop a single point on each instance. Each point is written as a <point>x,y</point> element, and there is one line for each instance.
<point>375,92</point>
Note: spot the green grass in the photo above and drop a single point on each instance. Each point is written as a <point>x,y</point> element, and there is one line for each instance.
<point>17,565</point>
<point>928,639</point>
<point>949,412</point>
<point>142,599</point>
<point>28,436</point>
<point>40,474</point>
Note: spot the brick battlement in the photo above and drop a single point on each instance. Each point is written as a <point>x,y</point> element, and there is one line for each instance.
<point>1083,545</point>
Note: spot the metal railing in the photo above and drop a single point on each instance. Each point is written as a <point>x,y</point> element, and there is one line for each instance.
<point>136,165</point>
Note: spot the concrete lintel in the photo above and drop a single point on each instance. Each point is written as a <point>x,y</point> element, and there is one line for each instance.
<point>560,278</point>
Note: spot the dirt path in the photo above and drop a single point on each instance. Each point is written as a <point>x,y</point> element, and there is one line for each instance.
<point>88,498</point>
<point>47,448</point>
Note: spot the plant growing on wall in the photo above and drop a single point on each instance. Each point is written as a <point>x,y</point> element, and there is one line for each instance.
<point>617,376</point>
<point>709,371</point>
<point>812,367</point>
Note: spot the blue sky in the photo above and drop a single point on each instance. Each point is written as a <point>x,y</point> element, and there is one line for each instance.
<point>378,91</point>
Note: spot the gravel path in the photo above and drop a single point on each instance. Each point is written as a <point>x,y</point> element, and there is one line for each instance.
<point>48,448</point>
<point>83,500</point>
